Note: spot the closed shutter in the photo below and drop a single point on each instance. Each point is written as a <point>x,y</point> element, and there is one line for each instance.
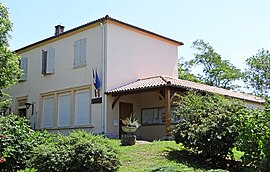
<point>79,53</point>
<point>50,61</point>
<point>83,51</point>
<point>48,112</point>
<point>44,62</point>
<point>64,111</point>
<point>82,108</point>
<point>24,66</point>
<point>76,62</point>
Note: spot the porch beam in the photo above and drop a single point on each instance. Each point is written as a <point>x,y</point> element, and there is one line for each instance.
<point>115,101</point>
<point>167,112</point>
<point>173,94</point>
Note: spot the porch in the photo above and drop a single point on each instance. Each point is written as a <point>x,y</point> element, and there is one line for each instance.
<point>152,100</point>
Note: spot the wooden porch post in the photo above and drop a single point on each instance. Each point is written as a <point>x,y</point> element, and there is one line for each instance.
<point>167,112</point>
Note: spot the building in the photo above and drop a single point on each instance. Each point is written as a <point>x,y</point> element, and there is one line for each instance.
<point>92,76</point>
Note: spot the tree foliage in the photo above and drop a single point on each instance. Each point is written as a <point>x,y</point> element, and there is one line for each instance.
<point>207,123</point>
<point>216,72</point>
<point>9,62</point>
<point>257,75</point>
<point>254,138</point>
<point>17,140</point>
<point>185,73</point>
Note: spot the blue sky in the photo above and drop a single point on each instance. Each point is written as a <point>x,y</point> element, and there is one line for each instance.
<point>235,28</point>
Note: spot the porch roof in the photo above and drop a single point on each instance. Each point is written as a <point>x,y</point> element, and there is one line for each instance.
<point>156,82</point>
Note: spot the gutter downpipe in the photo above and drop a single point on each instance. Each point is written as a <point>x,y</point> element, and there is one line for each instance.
<point>104,96</point>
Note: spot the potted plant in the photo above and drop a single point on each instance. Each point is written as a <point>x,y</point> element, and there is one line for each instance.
<point>130,124</point>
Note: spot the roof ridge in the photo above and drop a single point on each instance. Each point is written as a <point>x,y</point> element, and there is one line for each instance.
<point>107,17</point>
<point>231,91</point>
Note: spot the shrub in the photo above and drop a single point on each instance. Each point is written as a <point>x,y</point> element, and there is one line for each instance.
<point>207,123</point>
<point>17,139</point>
<point>79,151</point>
<point>254,138</point>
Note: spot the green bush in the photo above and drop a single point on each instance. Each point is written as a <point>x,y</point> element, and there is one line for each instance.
<point>17,139</point>
<point>254,138</point>
<point>207,123</point>
<point>78,151</point>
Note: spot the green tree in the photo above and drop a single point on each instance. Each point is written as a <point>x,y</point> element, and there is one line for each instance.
<point>10,71</point>
<point>207,124</point>
<point>216,72</point>
<point>254,138</point>
<point>257,74</point>
<point>184,71</point>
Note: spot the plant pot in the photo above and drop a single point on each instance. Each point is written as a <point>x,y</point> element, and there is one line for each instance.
<point>129,129</point>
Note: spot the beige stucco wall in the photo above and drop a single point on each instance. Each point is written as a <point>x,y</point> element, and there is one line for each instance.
<point>132,55</point>
<point>253,105</point>
<point>64,77</point>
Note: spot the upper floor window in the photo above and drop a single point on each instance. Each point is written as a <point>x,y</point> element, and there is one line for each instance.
<point>24,67</point>
<point>48,61</point>
<point>79,53</point>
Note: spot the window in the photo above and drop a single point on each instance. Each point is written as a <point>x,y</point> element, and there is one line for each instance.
<point>157,115</point>
<point>21,106</point>
<point>24,66</point>
<point>82,107</point>
<point>67,109</point>
<point>64,110</point>
<point>79,53</point>
<point>48,112</point>
<point>48,61</point>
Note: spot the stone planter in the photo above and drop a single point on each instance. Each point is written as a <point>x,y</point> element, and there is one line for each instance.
<point>128,139</point>
<point>129,129</point>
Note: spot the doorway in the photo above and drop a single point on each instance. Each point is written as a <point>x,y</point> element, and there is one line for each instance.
<point>125,110</point>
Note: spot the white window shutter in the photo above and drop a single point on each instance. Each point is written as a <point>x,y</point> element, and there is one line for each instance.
<point>82,108</point>
<point>24,66</point>
<point>48,112</point>
<point>83,51</point>
<point>64,111</point>
<point>50,61</point>
<point>76,62</point>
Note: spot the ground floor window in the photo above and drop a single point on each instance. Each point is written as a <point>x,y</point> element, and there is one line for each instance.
<point>82,108</point>
<point>64,110</point>
<point>48,112</point>
<point>68,109</point>
<point>156,115</point>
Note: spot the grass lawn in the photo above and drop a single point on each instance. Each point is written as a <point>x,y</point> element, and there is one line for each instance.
<point>166,156</point>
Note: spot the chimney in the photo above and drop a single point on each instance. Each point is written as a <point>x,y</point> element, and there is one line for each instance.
<point>59,29</point>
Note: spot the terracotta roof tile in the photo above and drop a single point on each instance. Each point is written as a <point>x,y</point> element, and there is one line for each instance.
<point>161,81</point>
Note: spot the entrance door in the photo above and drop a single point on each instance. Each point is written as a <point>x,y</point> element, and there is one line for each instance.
<point>125,110</point>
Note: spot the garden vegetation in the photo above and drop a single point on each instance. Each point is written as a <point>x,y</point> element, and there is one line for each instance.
<point>212,125</point>
<point>22,147</point>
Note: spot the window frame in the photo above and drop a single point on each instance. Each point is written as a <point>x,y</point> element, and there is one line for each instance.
<point>161,115</point>
<point>55,94</point>
<point>43,109</point>
<point>70,111</point>
<point>89,103</point>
